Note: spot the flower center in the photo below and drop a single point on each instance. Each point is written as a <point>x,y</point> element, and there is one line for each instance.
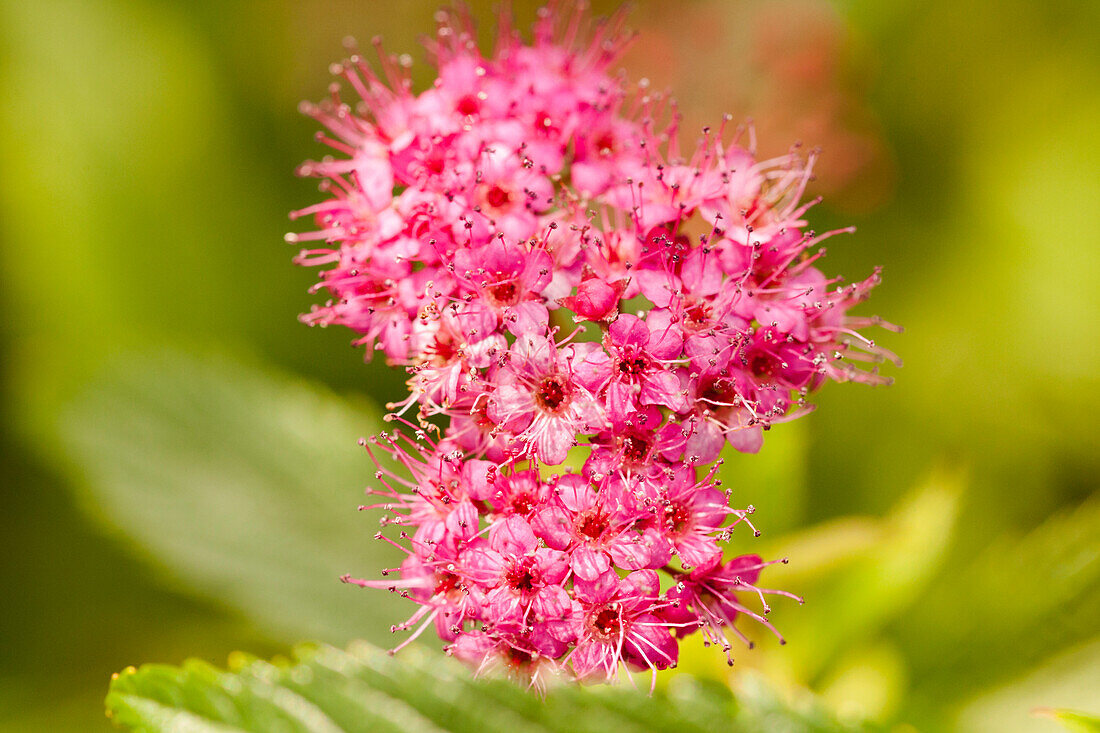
<point>497,197</point>
<point>719,393</point>
<point>697,315</point>
<point>517,658</point>
<point>504,293</point>
<point>591,523</point>
<point>544,122</point>
<point>634,449</point>
<point>522,504</point>
<point>677,517</point>
<point>441,351</point>
<point>763,364</point>
<point>435,164</point>
<point>551,394</point>
<point>633,367</point>
<point>607,622</point>
<point>520,576</point>
<point>445,582</point>
<point>468,105</point>
<point>674,246</point>
<point>605,144</point>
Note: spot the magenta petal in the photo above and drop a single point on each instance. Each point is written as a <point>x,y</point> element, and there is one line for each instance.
<point>551,602</point>
<point>554,440</point>
<point>601,589</point>
<point>657,286</point>
<point>590,178</point>
<point>620,403</point>
<point>593,370</point>
<point>375,177</point>
<point>630,553</point>
<point>527,317</point>
<point>462,521</point>
<point>701,273</point>
<point>746,440</point>
<point>553,565</point>
<point>476,318</point>
<point>650,646</point>
<point>745,567</point>
<point>593,658</point>
<point>706,443</point>
<point>475,475</point>
<point>697,550</point>
<point>710,508</point>
<point>545,643</point>
<point>666,340</point>
<point>589,564</point>
<point>553,526</point>
<point>538,270</point>
<point>533,354</point>
<point>627,330</point>
<point>641,584</point>
<point>517,226</point>
<point>575,493</point>
<point>512,406</point>
<point>565,629</point>
<point>473,647</point>
<point>663,388</point>
<point>483,561</point>
<point>503,604</point>
<point>660,549</point>
<point>512,536</point>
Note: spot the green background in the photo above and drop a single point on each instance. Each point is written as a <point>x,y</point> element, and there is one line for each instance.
<point>946,530</point>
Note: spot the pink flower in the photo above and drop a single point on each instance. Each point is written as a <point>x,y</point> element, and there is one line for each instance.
<point>633,448</point>
<point>618,623</point>
<point>596,299</point>
<point>706,598</point>
<point>519,494</point>
<point>527,656</point>
<point>538,399</point>
<point>598,527</point>
<point>634,371</point>
<point>508,282</point>
<point>687,514</point>
<point>524,580</point>
<point>526,240</point>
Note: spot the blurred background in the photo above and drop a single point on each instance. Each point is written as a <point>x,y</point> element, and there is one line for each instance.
<point>177,454</point>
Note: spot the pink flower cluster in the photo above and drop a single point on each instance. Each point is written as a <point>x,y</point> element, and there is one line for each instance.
<point>587,319</point>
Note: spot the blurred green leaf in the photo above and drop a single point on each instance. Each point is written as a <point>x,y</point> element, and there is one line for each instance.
<point>827,547</point>
<point>867,682</point>
<point>243,483</point>
<point>1065,681</point>
<point>773,480</point>
<point>1042,590</point>
<point>155,195</point>
<point>1073,720</point>
<point>881,571</point>
<point>364,689</point>
<point>129,162</point>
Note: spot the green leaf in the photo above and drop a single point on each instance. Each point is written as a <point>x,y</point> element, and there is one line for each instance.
<point>773,481</point>
<point>364,689</point>
<point>1040,589</point>
<point>1073,720</point>
<point>876,570</point>
<point>244,484</point>
<point>1065,681</point>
